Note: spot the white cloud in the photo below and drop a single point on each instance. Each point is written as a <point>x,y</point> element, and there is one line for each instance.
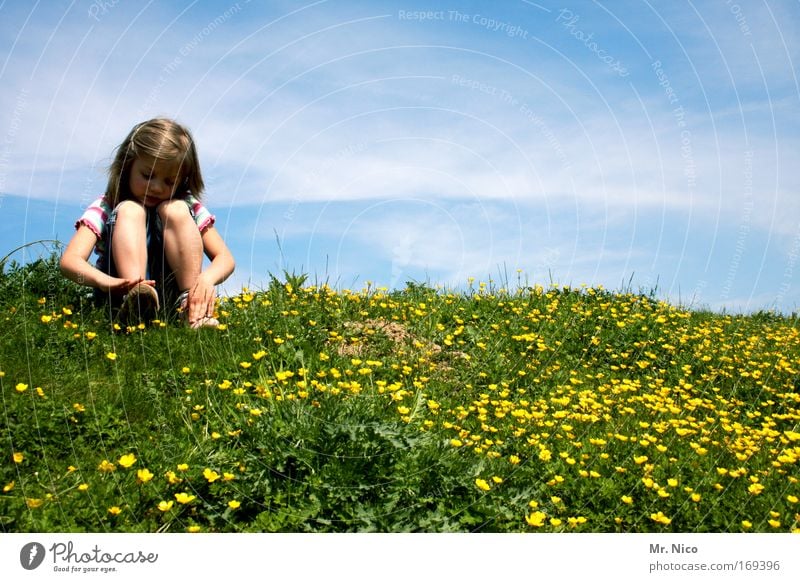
<point>473,128</point>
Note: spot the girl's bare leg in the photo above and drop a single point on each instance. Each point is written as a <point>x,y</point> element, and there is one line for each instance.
<point>129,244</point>
<point>183,246</point>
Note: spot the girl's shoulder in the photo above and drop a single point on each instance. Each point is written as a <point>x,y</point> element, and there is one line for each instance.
<point>96,215</point>
<point>201,214</point>
<point>195,204</point>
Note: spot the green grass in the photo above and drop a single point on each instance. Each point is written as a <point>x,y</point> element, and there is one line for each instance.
<point>314,409</point>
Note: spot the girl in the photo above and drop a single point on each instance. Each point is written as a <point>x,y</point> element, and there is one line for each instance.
<point>150,231</point>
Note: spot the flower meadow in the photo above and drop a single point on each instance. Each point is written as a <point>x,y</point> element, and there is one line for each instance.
<point>513,408</point>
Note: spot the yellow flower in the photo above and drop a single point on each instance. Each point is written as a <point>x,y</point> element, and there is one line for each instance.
<point>695,497</point>
<point>497,479</point>
<point>21,387</point>
<point>114,510</point>
<point>210,475</point>
<point>165,505</point>
<point>514,460</point>
<point>33,503</point>
<point>555,500</point>
<point>228,476</point>
<point>746,524</point>
<point>183,467</point>
<point>127,461</point>
<point>482,484</point>
<point>791,498</point>
<point>184,498</point>
<point>18,457</point>
<point>660,518</point>
<point>233,504</point>
<point>185,370</point>
<point>47,318</point>
<point>555,522</point>
<point>536,519</point>
<point>172,478</point>
<point>8,487</point>
<point>755,488</point>
<point>90,335</point>
<point>245,365</point>
<point>144,475</point>
<point>403,410</point>
<point>640,460</point>
<point>111,356</point>
<point>455,443</point>
<point>106,467</point>
<point>83,487</point>
<point>627,499</point>
<point>774,523</point>
<point>259,354</point>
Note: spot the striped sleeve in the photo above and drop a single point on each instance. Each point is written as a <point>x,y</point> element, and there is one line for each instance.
<point>95,216</point>
<point>202,216</point>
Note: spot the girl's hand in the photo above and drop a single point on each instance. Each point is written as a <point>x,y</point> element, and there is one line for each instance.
<point>201,300</point>
<point>122,286</point>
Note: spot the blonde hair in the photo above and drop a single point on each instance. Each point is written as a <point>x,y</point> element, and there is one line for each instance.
<point>159,139</point>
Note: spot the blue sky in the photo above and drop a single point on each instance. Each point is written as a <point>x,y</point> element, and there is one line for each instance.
<point>596,143</point>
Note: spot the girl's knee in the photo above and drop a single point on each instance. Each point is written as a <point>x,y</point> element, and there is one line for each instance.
<point>174,210</point>
<point>128,210</point>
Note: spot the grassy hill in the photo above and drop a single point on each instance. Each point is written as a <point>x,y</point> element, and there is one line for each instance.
<point>315,409</point>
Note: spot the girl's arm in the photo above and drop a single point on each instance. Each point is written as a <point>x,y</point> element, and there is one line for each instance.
<point>202,295</point>
<point>75,265</point>
<point>222,263</point>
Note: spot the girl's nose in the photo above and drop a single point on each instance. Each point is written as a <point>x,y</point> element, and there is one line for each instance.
<point>156,187</point>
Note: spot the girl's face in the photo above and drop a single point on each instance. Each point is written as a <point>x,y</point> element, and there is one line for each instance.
<point>153,181</point>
